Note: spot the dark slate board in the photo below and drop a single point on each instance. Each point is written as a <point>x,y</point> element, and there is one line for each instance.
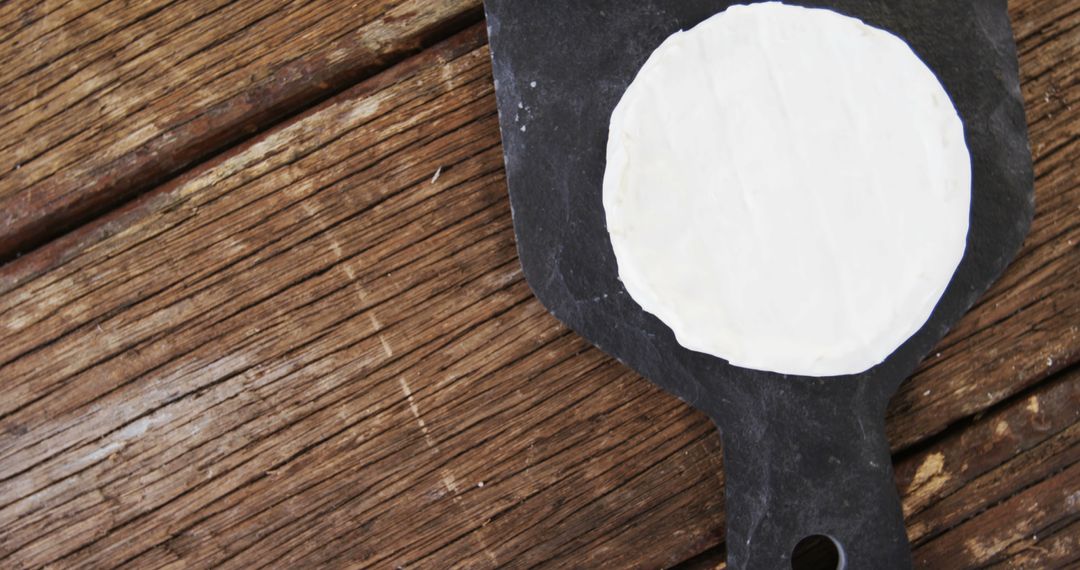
<point>802,455</point>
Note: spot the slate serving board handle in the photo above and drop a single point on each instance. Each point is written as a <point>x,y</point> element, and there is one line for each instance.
<point>809,458</point>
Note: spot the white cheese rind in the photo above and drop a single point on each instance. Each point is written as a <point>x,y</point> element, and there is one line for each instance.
<point>788,189</point>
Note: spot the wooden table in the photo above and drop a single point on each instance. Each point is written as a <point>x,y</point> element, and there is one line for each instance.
<point>261,307</point>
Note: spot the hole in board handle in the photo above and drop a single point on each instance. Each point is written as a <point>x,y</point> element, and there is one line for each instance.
<point>818,552</point>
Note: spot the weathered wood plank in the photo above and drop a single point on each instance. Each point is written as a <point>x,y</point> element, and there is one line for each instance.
<point>979,465</point>
<point>327,341</point>
<point>959,515</point>
<point>1061,549</point>
<point>1017,522</point>
<point>103,99</point>
<point>307,350</point>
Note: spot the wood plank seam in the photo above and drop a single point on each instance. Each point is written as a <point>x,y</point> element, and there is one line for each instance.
<point>224,379</point>
<point>301,419</point>
<point>284,166</point>
<point>166,286</point>
<point>281,428</point>
<point>292,161</point>
<point>1014,493</point>
<point>70,212</point>
<point>1067,376</point>
<point>122,426</point>
<point>905,453</point>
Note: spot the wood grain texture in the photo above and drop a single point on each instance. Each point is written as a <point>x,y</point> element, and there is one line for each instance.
<point>1028,440</point>
<point>342,348</point>
<point>998,485</point>
<point>318,349</point>
<point>103,99</point>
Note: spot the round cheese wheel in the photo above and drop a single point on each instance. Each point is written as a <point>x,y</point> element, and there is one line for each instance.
<point>787,189</point>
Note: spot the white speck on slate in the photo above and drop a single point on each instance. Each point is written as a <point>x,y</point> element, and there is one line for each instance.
<point>533,85</point>
<point>521,105</point>
<point>522,128</point>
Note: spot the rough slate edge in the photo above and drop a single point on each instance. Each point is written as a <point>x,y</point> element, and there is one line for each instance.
<point>555,224</point>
